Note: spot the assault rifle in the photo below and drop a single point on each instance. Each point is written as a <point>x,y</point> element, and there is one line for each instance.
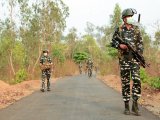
<point>137,56</point>
<point>46,65</point>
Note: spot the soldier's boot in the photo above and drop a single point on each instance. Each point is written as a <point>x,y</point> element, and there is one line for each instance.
<point>43,86</point>
<point>135,108</point>
<point>42,89</point>
<point>126,111</point>
<point>48,89</point>
<point>48,85</point>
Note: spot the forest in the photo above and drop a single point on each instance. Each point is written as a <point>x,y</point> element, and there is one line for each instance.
<point>30,27</point>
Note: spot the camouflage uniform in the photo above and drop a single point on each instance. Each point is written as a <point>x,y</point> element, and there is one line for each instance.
<point>80,68</point>
<point>46,72</point>
<point>129,67</point>
<point>89,64</point>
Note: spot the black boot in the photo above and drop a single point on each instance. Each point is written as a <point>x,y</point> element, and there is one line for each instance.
<point>43,86</point>
<point>126,111</point>
<point>135,108</point>
<point>48,85</point>
<point>48,89</point>
<point>42,89</point>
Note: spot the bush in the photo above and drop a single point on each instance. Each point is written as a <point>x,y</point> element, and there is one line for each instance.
<point>143,75</point>
<point>152,81</point>
<point>80,56</point>
<point>155,82</point>
<point>20,76</point>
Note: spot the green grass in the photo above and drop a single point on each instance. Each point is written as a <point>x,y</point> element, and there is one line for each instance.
<point>152,81</point>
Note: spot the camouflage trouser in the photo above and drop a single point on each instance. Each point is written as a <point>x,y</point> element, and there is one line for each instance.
<point>46,74</point>
<point>130,70</point>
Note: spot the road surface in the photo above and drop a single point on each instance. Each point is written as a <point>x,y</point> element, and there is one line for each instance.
<point>73,98</point>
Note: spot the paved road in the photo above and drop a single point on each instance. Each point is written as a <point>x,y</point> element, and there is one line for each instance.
<point>73,98</point>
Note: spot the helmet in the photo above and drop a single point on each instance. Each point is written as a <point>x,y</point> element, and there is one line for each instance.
<point>45,51</point>
<point>128,12</point>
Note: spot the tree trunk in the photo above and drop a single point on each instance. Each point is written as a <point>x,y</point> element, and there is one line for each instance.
<point>34,66</point>
<point>11,63</point>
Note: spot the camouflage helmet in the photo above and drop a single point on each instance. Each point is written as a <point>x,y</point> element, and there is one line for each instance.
<point>45,51</point>
<point>128,12</point>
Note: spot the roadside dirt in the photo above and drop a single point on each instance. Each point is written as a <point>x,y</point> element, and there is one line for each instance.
<point>150,97</point>
<point>12,93</point>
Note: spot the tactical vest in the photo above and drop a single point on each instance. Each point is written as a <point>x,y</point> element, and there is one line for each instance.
<point>127,55</point>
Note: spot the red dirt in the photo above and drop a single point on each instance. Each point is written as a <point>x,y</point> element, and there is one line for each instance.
<point>150,97</point>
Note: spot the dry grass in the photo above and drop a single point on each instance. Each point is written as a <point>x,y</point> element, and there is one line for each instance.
<point>68,68</point>
<point>110,67</point>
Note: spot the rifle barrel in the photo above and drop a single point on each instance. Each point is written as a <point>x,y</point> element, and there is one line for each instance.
<point>139,17</point>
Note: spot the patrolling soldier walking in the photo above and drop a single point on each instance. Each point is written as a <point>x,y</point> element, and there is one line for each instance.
<point>80,67</point>
<point>89,66</point>
<point>46,68</point>
<point>129,67</point>
<point>89,63</point>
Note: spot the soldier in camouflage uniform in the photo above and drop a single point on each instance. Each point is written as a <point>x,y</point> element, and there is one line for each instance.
<point>89,65</point>
<point>129,67</point>
<point>80,67</point>
<point>46,66</point>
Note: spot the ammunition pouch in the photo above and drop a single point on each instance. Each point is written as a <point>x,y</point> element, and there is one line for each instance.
<point>45,66</point>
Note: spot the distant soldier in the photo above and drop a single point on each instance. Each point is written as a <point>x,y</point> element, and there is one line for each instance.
<point>89,63</point>
<point>89,66</point>
<point>129,67</point>
<point>80,67</point>
<point>46,67</point>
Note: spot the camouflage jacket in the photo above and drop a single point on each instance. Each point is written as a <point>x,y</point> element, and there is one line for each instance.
<point>133,36</point>
<point>45,62</point>
<point>89,63</point>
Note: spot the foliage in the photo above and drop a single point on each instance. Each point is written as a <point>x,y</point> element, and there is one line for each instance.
<point>71,38</point>
<point>157,39</point>
<point>152,81</point>
<point>20,76</point>
<point>41,24</point>
<point>143,75</point>
<point>111,51</point>
<point>19,54</point>
<point>155,82</point>
<point>116,17</point>
<point>80,57</point>
<point>58,53</point>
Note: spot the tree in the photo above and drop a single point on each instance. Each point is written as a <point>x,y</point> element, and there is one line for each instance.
<point>38,25</point>
<point>157,39</point>
<point>71,41</point>
<point>116,17</point>
<point>90,28</point>
<point>80,57</point>
<point>41,24</point>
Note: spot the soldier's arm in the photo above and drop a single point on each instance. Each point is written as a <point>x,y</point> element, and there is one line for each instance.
<point>49,60</point>
<point>51,63</point>
<point>41,63</point>
<point>92,64</point>
<point>115,43</point>
<point>139,42</point>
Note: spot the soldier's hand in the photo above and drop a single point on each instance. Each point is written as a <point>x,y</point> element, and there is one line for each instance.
<point>123,46</point>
